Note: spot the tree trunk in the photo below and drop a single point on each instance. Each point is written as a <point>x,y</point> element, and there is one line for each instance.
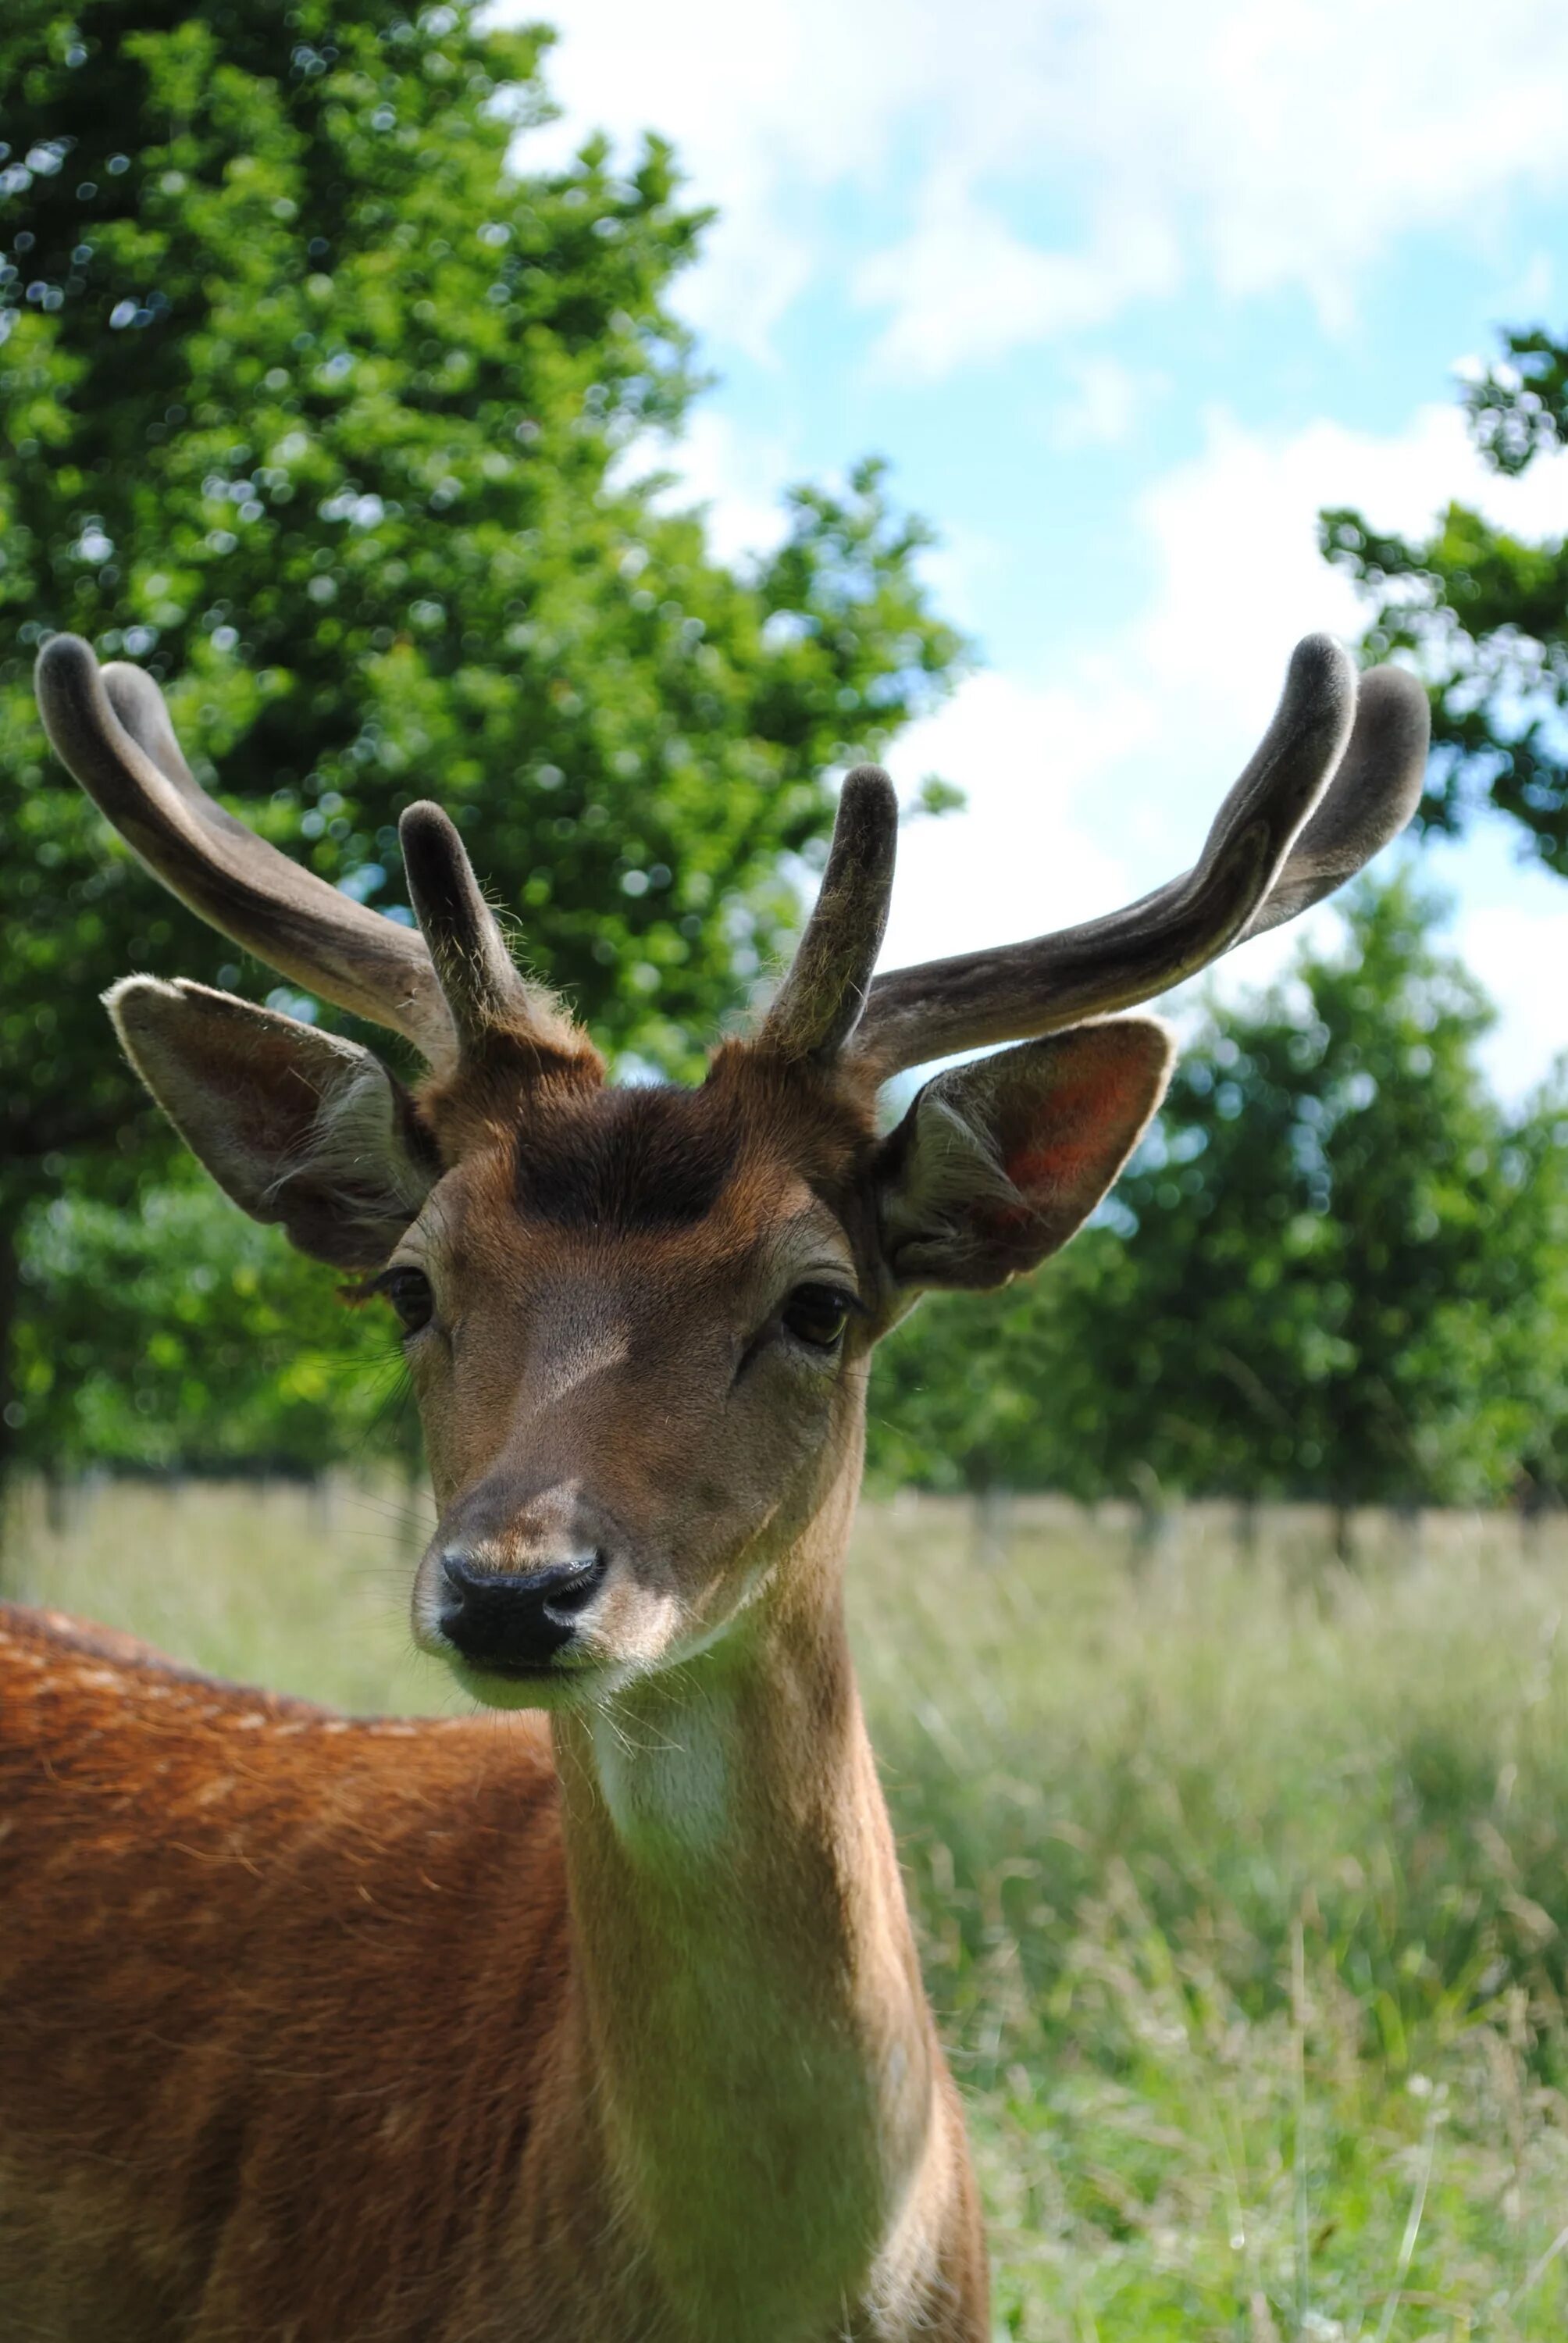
<point>992,1525</point>
<point>1531,1499</point>
<point>1154,1535</point>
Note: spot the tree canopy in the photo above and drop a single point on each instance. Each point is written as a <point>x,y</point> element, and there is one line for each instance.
<point>178,1335</point>
<point>321,406</point>
<point>319,411</point>
<point>1486,613</point>
<point>317,402</point>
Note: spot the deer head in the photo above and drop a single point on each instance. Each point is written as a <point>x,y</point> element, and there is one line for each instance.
<point>640,1321</point>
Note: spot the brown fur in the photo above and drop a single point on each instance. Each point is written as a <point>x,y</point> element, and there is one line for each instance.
<point>315,2026</point>
<point>323,2031</point>
<point>319,2031</point>
<point>333,2031</point>
<point>261,2066</point>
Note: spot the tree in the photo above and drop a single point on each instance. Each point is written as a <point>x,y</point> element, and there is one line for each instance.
<point>312,405</point>
<point>977,1392</point>
<point>180,1335</point>
<point>1329,1252</point>
<point>1336,1270</point>
<point>1487,615</point>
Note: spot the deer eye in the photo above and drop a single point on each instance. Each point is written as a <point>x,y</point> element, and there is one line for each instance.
<point>817,1314</point>
<point>409,1293</point>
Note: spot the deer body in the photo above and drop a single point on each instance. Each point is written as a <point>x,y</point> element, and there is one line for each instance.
<point>303,2026</point>
<point>607,2027</point>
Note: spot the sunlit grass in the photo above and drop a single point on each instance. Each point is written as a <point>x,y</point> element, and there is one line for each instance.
<point>1240,1874</point>
<point>1242,1884</point>
<point>302,1588</point>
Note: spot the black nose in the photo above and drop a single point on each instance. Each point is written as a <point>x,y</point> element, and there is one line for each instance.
<point>514,1620</point>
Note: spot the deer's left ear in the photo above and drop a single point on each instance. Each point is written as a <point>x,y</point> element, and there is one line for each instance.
<point>997,1163</point>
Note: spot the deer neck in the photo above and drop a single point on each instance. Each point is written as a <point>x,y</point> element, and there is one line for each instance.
<point>748,2001</point>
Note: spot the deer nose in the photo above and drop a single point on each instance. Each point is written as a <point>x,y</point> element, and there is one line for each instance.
<point>519,1620</point>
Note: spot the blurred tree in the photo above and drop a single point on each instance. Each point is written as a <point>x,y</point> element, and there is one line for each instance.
<point>1487,614</point>
<point>181,1335</point>
<point>313,406</point>
<point>1336,1270</point>
<point>977,1392</point>
<point>1532,1334</point>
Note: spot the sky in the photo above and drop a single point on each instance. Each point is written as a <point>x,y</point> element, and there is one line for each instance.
<point>1125,293</point>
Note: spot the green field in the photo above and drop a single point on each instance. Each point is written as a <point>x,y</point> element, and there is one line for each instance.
<point>1237,1872</point>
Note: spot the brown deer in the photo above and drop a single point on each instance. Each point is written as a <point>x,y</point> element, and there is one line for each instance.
<point>601,2024</point>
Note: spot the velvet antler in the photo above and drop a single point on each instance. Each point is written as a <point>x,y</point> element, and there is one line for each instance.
<point>443,988</point>
<point>1338,774</point>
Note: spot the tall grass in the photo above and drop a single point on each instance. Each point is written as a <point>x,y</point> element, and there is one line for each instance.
<point>1238,1873</point>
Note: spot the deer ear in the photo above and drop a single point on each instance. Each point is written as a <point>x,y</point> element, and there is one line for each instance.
<point>997,1163</point>
<point>296,1126</point>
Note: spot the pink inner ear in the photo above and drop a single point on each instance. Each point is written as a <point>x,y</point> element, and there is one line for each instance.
<point>1077,1124</point>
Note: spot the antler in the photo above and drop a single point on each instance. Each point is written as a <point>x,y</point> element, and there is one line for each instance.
<point>820,1003</point>
<point>1317,800</point>
<point>485,991</point>
<point>1336,775</point>
<point>443,989</point>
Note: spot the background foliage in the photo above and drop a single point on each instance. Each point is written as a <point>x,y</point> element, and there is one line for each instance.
<point>1335,1270</point>
<point>315,407</point>
<point>1487,615</point>
<point>1238,1876</point>
<point>316,401</point>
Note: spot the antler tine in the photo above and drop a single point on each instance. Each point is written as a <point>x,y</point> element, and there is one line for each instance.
<point>485,991</point>
<point>1284,837</point>
<point>820,1000</point>
<point>112,731</point>
<point>1376,788</point>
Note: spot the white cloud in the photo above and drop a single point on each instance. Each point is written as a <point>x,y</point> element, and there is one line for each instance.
<point>957,570</point>
<point>767,106</point>
<point>1259,148</point>
<point>1025,855</point>
<point>963,288</point>
<point>1256,148</point>
<point>1031,170</point>
<point>1106,400</point>
<point>1517,953</point>
<point>1241,575</point>
<point>1097,779</point>
<point>738,479</point>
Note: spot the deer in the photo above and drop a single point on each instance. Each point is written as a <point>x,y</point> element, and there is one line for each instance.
<point>593,2013</point>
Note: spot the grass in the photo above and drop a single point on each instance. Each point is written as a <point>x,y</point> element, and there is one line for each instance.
<point>1239,1873</point>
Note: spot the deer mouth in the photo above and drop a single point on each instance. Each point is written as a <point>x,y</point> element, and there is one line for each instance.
<point>511,1684</point>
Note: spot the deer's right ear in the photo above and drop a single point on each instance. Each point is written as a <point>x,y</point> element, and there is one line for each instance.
<point>997,1163</point>
<point>296,1126</point>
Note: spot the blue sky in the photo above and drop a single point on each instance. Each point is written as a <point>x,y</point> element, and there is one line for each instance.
<point>1126,292</point>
